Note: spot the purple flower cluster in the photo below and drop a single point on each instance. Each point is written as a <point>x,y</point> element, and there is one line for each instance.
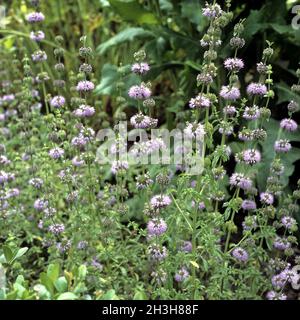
<point>288,125</point>
<point>160,201</point>
<point>240,254</point>
<point>57,102</point>
<point>84,111</point>
<point>141,121</point>
<point>85,86</point>
<point>251,156</point>
<point>34,17</point>
<point>56,153</point>
<point>139,92</point>
<point>233,64</point>
<point>230,93</point>
<point>182,275</point>
<point>140,68</point>
<point>282,145</point>
<point>39,56</point>
<point>199,102</point>
<point>156,227</point>
<point>241,181</point>
<point>37,35</point>
<point>119,165</point>
<point>257,89</point>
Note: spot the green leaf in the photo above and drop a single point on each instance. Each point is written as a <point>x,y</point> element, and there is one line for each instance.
<point>110,75</point>
<point>268,154</point>
<point>47,282</point>
<point>42,292</point>
<point>20,253</point>
<point>140,295</point>
<point>131,10</point>
<point>61,284</point>
<point>110,295</point>
<point>192,10</point>
<point>8,253</point>
<point>53,271</point>
<point>285,94</point>
<point>82,271</point>
<point>67,296</point>
<point>128,34</point>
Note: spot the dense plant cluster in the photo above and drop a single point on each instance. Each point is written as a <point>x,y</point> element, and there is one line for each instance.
<point>76,227</point>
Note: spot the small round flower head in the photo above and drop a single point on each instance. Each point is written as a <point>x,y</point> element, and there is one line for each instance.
<point>204,78</point>
<point>4,160</point>
<point>199,102</point>
<point>80,141</point>
<point>228,93</point>
<point>272,295</point>
<point>233,64</point>
<point>40,204</point>
<point>249,223</point>
<point>119,165</point>
<point>261,67</point>
<point>64,246</point>
<point>56,153</point>
<point>288,222</point>
<point>279,280</point>
<point>140,92</point>
<point>56,228</point>
<point>245,135</point>
<point>181,275</point>
<point>156,227</point>
<point>248,205</point>
<point>226,129</point>
<point>194,130</point>
<point>85,86</point>
<point>212,11</point>
<point>241,181</point>
<point>240,254</point>
<point>82,245</point>
<point>37,35</point>
<point>140,68</point>
<point>282,145</point>
<point>49,212</point>
<point>140,121</point>
<point>281,244</point>
<point>186,246</point>
<point>38,56</point>
<point>259,134</point>
<point>35,17</point>
<point>229,111</point>
<point>160,201</point>
<point>288,125</point>
<point>86,68</point>
<point>160,276</point>
<point>251,113</point>
<point>36,182</point>
<point>293,106</point>
<point>57,101</point>
<point>251,156</point>
<point>258,89</point>
<point>96,264</point>
<point>157,252</point>
<point>149,103</point>
<point>84,111</point>
<point>266,198</point>
<point>78,162</point>
<point>143,181</point>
